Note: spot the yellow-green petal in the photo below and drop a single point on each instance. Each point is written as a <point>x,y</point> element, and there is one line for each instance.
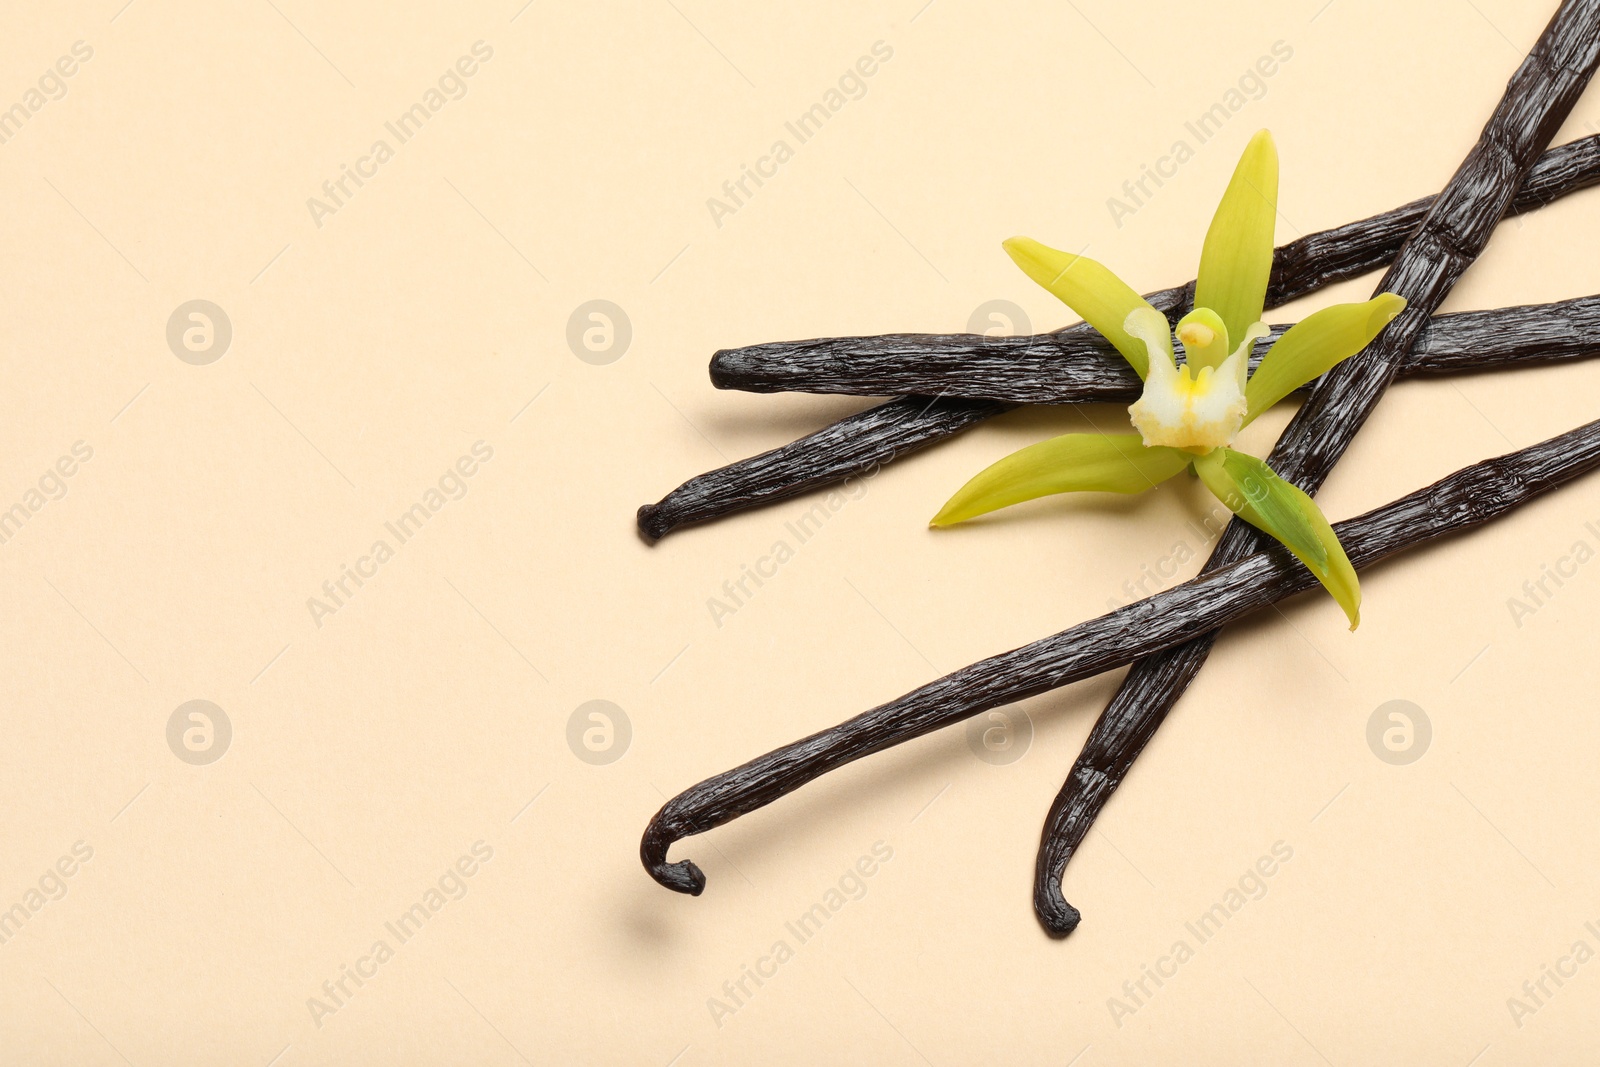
<point>1087,287</point>
<point>1075,462</point>
<point>1237,257</point>
<point>1149,327</point>
<point>1315,345</point>
<point>1255,493</point>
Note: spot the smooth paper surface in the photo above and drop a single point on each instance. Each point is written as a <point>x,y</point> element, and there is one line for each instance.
<point>341,342</point>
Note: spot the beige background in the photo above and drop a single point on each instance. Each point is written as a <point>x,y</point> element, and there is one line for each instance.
<point>429,711</point>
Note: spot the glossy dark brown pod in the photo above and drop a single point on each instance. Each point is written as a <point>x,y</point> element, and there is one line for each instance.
<point>1471,496</point>
<point>1069,368</point>
<point>1537,100</point>
<point>1540,93</point>
<point>898,427</point>
<point>855,446</point>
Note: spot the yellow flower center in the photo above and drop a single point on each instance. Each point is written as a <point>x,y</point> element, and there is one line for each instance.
<point>1200,405</point>
<point>1195,334</point>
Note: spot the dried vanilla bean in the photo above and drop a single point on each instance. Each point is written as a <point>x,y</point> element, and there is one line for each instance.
<point>1066,368</point>
<point>1539,96</point>
<point>893,429</point>
<point>855,446</point>
<point>1471,496</point>
<point>1537,100</point>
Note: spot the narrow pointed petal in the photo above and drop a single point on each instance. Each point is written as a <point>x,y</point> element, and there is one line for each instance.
<point>1149,327</point>
<point>1255,493</point>
<point>1075,462</point>
<point>1241,355</point>
<point>1316,344</point>
<point>1087,287</point>
<point>1237,257</point>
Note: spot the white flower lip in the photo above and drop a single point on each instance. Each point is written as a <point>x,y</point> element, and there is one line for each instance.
<point>1180,408</point>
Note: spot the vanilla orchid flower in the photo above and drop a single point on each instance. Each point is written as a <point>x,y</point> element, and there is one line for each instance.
<point>1190,412</point>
